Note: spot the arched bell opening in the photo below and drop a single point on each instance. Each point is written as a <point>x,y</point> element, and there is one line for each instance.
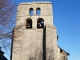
<point>31,11</point>
<point>40,23</point>
<point>29,23</point>
<point>38,11</point>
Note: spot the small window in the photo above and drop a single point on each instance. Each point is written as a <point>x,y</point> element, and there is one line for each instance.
<point>29,23</point>
<point>31,11</point>
<point>64,57</point>
<point>60,50</point>
<point>38,11</point>
<point>40,23</point>
<point>57,37</point>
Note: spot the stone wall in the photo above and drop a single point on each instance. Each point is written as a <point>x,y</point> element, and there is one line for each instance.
<point>28,43</point>
<point>46,13</point>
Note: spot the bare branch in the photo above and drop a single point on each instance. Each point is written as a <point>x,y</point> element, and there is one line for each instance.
<point>7,22</point>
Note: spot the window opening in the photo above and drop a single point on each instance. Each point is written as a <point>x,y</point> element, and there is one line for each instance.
<point>60,50</point>
<point>31,11</point>
<point>38,11</point>
<point>28,23</point>
<point>64,57</point>
<point>40,23</point>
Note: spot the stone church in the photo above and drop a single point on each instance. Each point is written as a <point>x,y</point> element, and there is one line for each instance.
<point>35,36</point>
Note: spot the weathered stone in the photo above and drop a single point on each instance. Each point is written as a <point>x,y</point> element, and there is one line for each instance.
<point>28,42</point>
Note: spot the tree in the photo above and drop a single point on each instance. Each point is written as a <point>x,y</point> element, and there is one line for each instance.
<point>7,22</point>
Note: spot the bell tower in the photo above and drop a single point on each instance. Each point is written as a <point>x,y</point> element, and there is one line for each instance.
<point>28,34</point>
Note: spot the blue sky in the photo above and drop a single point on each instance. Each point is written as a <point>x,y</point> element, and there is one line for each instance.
<point>66,15</point>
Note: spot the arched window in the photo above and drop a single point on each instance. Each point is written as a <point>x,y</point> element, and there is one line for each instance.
<point>40,23</point>
<point>29,23</point>
<point>38,11</point>
<point>31,11</point>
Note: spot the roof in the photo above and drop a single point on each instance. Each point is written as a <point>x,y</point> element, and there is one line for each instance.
<point>4,58</point>
<point>36,2</point>
<point>1,52</point>
<point>64,51</point>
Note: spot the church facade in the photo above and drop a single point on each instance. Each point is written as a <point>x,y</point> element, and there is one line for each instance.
<point>35,36</point>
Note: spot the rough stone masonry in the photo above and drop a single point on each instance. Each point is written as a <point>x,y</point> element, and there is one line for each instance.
<point>28,33</point>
